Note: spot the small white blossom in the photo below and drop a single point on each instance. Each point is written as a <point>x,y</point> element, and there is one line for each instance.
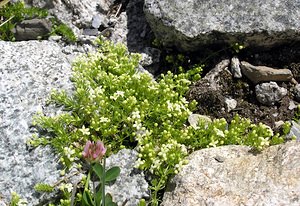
<point>85,131</point>
<point>219,132</point>
<point>137,125</point>
<point>68,187</point>
<point>104,119</point>
<point>117,94</point>
<point>136,115</point>
<point>169,106</point>
<point>69,152</point>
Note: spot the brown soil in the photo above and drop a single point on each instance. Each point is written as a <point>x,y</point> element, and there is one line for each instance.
<point>212,103</point>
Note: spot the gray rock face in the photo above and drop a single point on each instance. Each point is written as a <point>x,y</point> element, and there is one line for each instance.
<point>28,71</point>
<point>131,184</point>
<point>230,175</point>
<point>99,20</point>
<point>263,74</point>
<point>190,24</point>
<point>32,29</point>
<point>269,93</point>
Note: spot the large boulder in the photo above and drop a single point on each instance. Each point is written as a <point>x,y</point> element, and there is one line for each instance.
<point>29,70</point>
<point>190,24</point>
<point>231,175</point>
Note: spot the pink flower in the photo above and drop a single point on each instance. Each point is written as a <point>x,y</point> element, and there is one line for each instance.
<point>94,151</point>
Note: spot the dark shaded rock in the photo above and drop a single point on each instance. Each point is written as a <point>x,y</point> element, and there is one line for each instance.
<point>264,74</point>
<point>297,92</point>
<point>32,29</point>
<point>187,25</point>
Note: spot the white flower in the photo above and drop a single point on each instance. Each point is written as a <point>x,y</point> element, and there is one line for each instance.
<point>136,115</point>
<point>85,131</point>
<point>117,94</point>
<point>170,106</point>
<point>137,125</point>
<point>219,132</point>
<point>104,119</point>
<point>68,187</point>
<point>264,141</point>
<point>183,100</point>
<point>22,202</point>
<point>69,152</point>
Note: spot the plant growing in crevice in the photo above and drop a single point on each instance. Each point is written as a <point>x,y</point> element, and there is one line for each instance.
<point>13,13</point>
<point>123,107</point>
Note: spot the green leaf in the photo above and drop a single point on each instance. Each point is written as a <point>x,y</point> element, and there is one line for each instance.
<point>112,174</point>
<point>98,197</point>
<point>108,200</point>
<point>98,169</point>
<point>87,198</point>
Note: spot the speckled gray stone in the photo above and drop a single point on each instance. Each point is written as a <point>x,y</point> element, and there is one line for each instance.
<point>131,183</point>
<point>269,93</point>
<point>28,71</point>
<point>192,23</point>
<point>231,175</point>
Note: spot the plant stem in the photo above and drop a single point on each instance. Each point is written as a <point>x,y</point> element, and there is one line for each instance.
<point>10,18</point>
<point>103,183</point>
<point>94,191</point>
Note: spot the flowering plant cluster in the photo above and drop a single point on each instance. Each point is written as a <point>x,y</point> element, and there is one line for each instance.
<point>124,107</point>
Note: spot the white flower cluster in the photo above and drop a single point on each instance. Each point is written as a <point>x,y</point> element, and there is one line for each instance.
<point>117,94</point>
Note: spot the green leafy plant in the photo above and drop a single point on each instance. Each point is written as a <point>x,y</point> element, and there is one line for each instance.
<point>179,62</point>
<point>16,200</point>
<point>42,187</point>
<point>63,30</point>
<point>123,107</point>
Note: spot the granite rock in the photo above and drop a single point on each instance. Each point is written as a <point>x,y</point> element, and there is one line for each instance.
<point>28,72</point>
<point>188,25</point>
<point>131,185</point>
<point>269,93</point>
<point>231,175</point>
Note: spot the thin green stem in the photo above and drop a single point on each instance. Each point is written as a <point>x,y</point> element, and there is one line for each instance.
<point>103,183</point>
<point>94,190</point>
<point>10,18</point>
